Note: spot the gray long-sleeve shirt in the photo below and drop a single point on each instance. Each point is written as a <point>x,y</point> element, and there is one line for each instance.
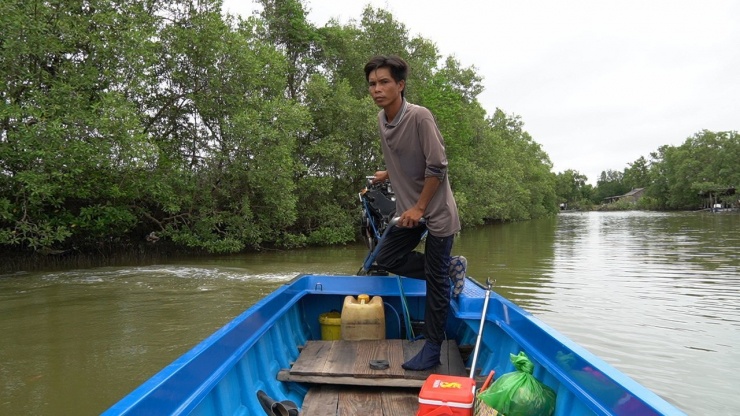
<point>413,149</point>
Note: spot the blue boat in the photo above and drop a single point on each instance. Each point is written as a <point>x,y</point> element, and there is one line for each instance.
<point>256,351</point>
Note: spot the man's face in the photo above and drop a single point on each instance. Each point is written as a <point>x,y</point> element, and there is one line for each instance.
<point>383,88</point>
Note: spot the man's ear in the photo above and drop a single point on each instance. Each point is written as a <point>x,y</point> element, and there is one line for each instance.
<point>402,84</point>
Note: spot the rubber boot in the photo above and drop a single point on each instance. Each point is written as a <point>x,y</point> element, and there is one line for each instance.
<point>427,358</point>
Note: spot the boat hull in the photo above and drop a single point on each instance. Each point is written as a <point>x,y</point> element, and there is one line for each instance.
<point>221,375</point>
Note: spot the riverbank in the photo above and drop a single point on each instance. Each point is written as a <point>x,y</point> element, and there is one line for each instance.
<point>162,251</point>
<point>12,261</point>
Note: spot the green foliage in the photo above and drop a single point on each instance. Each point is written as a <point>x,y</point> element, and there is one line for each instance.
<point>701,171</point>
<point>621,205</point>
<point>584,204</point>
<point>222,133</point>
<point>571,188</point>
<point>333,158</point>
<point>610,184</point>
<point>286,26</point>
<point>648,203</point>
<point>638,174</point>
<point>705,162</point>
<point>505,175</point>
<point>71,148</point>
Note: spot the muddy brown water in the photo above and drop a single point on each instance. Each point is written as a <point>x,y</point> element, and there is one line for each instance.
<point>654,294</point>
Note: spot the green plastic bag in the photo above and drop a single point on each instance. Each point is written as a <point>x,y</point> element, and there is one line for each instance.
<point>519,393</point>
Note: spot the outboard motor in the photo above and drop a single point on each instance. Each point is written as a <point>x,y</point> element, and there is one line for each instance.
<point>378,209</point>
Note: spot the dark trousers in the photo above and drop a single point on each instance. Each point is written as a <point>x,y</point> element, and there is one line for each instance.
<point>397,255</point>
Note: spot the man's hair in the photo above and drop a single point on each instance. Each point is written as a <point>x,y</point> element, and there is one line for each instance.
<point>398,67</point>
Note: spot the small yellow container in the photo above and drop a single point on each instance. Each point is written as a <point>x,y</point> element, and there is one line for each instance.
<point>331,326</point>
<point>363,318</point>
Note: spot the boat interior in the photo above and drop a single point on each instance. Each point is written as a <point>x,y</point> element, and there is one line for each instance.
<point>366,377</point>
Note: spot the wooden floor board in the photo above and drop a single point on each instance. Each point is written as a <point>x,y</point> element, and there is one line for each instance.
<point>400,402</point>
<point>342,359</point>
<point>321,401</point>
<point>358,402</point>
<point>312,358</point>
<point>327,400</point>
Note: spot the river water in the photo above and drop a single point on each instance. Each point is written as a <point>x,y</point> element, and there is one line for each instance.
<point>654,294</point>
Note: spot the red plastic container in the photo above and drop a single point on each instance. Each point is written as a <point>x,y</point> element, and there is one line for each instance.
<point>446,395</point>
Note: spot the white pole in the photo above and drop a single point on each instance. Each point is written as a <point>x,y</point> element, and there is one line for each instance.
<point>480,329</point>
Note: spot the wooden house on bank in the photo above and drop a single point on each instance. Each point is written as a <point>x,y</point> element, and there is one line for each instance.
<point>631,196</point>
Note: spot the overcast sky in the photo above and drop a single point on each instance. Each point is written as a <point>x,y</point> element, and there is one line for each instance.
<point>597,83</point>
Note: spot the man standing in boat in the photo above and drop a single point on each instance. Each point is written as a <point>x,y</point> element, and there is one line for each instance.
<point>416,164</point>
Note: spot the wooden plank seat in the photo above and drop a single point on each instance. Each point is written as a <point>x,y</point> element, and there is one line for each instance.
<point>348,363</point>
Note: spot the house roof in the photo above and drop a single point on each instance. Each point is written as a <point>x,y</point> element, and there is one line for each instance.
<point>634,192</point>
